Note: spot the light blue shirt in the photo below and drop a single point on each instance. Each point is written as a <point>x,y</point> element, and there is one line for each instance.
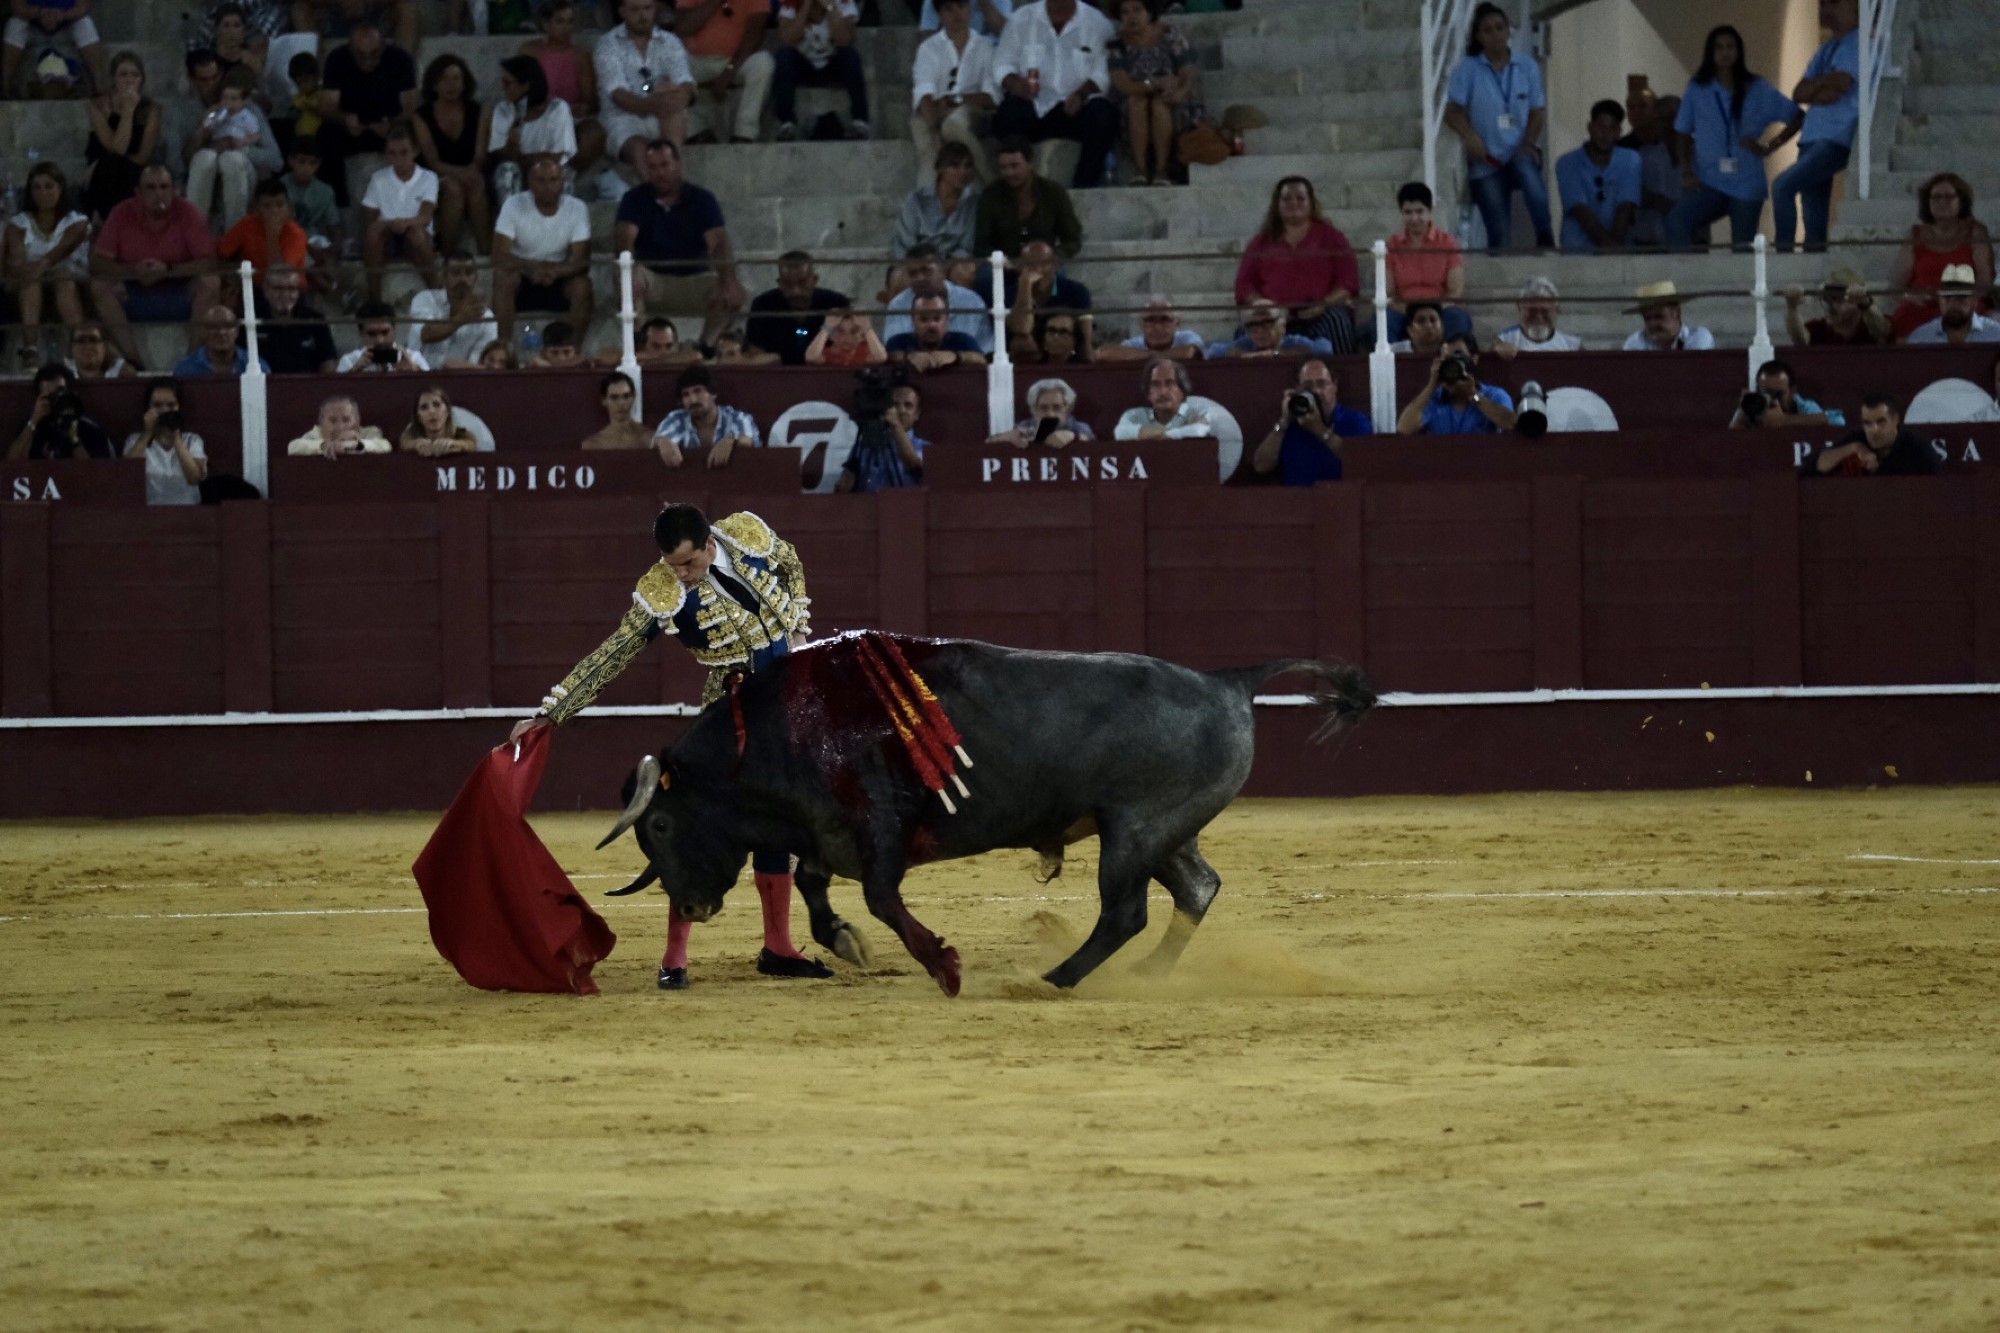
<point>1497,102</point>
<point>1602,190</point>
<point>1441,418</point>
<point>969,315</point>
<point>1836,122</point>
<point>196,365</point>
<point>928,20</point>
<point>1721,162</point>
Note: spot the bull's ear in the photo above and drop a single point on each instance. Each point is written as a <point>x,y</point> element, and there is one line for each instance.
<point>645,781</point>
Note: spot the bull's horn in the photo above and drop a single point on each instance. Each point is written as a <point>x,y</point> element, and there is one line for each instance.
<point>646,876</point>
<point>646,782</point>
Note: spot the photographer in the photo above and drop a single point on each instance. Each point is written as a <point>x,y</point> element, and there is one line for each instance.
<point>1773,405</point>
<point>701,422</point>
<point>176,463</point>
<point>1305,444</point>
<point>378,351</point>
<point>888,454</point>
<point>1881,447</point>
<point>1453,401</point>
<point>1054,422</point>
<point>56,426</point>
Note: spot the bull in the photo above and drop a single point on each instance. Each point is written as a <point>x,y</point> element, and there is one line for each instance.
<point>834,753</point>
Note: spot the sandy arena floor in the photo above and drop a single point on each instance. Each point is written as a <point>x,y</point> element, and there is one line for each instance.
<point>1710,1060</point>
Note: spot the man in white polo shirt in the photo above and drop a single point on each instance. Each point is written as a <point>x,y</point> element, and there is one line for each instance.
<point>396,212</point>
<point>451,325</point>
<point>541,251</point>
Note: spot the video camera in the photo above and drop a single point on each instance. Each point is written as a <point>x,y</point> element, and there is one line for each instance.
<point>874,395</point>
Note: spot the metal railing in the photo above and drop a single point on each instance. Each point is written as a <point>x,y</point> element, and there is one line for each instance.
<point>1443,28</point>
<point>1878,31</point>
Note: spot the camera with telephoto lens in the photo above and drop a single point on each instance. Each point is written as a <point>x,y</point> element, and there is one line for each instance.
<point>169,420</point>
<point>1755,404</point>
<point>1454,368</point>
<point>1299,405</point>
<point>66,406</point>
<point>874,395</point>
<point>383,356</point>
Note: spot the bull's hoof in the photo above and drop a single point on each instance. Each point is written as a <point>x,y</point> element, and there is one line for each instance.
<point>848,944</point>
<point>673,978</point>
<point>946,972</point>
<point>777,965</point>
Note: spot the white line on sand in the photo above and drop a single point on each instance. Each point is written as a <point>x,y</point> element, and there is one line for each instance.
<point>1918,860</point>
<point>1461,895</point>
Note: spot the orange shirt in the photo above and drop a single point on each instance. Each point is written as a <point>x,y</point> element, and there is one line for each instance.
<point>723,33</point>
<point>1422,276</point>
<point>246,240</point>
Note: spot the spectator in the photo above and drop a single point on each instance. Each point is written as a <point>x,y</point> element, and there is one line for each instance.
<point>1831,94</point>
<point>1496,104</point>
<point>339,433</point>
<point>57,427</point>
<point>620,431</point>
<point>229,144</point>
<point>36,21</point>
<point>951,97</point>
<point>231,43</point>
<point>725,46</point>
<point>1052,73</point>
<point>46,251</point>
<point>1171,412</point>
<point>433,431</point>
<point>675,230</point>
<point>932,344</point>
<point>945,213</point>
<point>497,355</point>
<point>291,335</point>
<point>1312,428</point>
<point>570,77</point>
<point>1264,335</point>
<point>643,75</point>
<point>218,353</point>
<point>1160,334</point>
<point>657,343</point>
<point>1659,174</point>
<point>1152,72</point>
<point>1453,401</point>
<point>1600,184</point>
<point>541,251</point>
<point>1425,264</point>
<point>1423,329</point>
<point>305,119</point>
<point>1021,205</point>
<point>90,354</point>
<point>309,15</point>
<point>524,125</point>
<point>1783,407</point>
<point>703,422</point>
<point>267,234</point>
<point>261,21</point>
<point>1035,285</point>
<point>787,319</point>
<point>1662,329</point>
<point>451,325</point>
<point>153,262</point>
<point>1300,261</point>
<point>449,145</point>
<point>924,277</point>
<point>1851,319</point>
<point>1946,234</point>
<point>845,339</point>
<point>1051,419</point>
<point>559,349</point>
<point>817,51</point>
<point>1057,338</point>
<point>1957,322</point>
<point>378,352</point>
<point>124,136</point>
<point>366,86</point>
<point>1882,446</point>
<point>397,212</point>
<point>314,209</point>
<point>989,17</point>
<point>731,350</point>
<point>888,453</point>
<point>1536,331</point>
<point>1724,116</point>
<point>176,460</point>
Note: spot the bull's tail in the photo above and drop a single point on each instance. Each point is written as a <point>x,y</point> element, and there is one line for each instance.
<point>1341,692</point>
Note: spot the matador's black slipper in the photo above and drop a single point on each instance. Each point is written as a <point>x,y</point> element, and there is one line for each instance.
<point>777,965</point>
<point>673,978</point>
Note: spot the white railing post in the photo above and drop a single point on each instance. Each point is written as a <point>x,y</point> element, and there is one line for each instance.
<point>252,404</point>
<point>1864,139</point>
<point>628,350</point>
<point>1427,34</point>
<point>999,370</point>
<point>1761,350</point>
<point>1381,361</point>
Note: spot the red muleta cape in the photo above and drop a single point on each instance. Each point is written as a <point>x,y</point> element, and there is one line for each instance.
<point>501,910</point>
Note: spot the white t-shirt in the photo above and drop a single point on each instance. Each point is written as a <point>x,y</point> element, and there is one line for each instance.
<point>465,343</point>
<point>1558,341</point>
<point>538,238</point>
<point>360,354</point>
<point>395,198</point>
<point>817,45</point>
<point>1693,338</point>
<point>554,131</point>
<point>34,244</point>
<point>942,70</point>
<point>166,484</point>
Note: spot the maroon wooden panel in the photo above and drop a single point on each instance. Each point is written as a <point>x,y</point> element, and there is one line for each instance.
<point>1666,586</point>
<point>464,604</point>
<point>1887,580</point>
<point>1159,462</point>
<point>354,607</point>
<point>1986,578</point>
<point>1450,585</point>
<point>1339,571</point>
<point>136,619</point>
<point>74,481</point>
<point>1775,610</point>
<point>1229,576</point>
<point>1558,582</point>
<point>902,565</point>
<point>246,607</point>
<point>25,687</point>
<point>209,405</point>
<point>1013,563</point>
<point>562,578</point>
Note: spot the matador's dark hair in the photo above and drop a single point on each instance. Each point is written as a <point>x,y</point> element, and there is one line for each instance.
<point>679,523</point>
